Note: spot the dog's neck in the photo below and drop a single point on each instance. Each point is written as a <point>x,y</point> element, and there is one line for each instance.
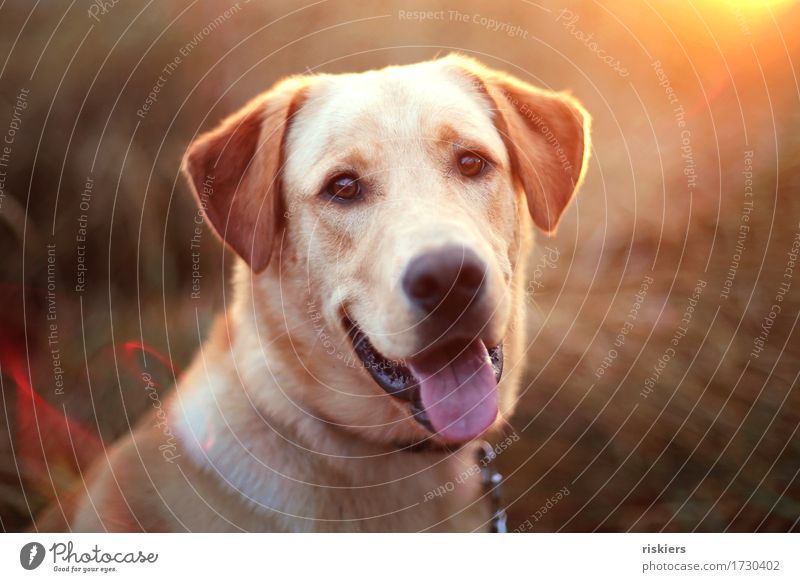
<point>252,410</point>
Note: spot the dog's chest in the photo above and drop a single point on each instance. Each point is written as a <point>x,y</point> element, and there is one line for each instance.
<point>429,502</point>
<point>365,495</point>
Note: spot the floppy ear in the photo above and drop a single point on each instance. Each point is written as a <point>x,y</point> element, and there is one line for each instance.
<point>547,137</point>
<point>234,172</point>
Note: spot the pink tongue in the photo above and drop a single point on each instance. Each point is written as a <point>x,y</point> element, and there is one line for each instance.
<point>458,390</point>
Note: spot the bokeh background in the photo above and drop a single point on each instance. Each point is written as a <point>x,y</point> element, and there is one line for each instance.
<point>694,181</point>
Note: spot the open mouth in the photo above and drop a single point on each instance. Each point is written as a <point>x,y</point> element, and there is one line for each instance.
<point>452,390</point>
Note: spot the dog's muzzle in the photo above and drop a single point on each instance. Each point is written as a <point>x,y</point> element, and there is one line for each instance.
<point>451,381</point>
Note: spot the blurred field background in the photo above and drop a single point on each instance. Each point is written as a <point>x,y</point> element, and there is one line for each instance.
<point>713,446</point>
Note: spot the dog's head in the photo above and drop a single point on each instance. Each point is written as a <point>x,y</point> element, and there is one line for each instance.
<point>401,200</point>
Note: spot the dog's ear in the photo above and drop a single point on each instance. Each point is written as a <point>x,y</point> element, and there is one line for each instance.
<point>547,137</point>
<point>234,171</point>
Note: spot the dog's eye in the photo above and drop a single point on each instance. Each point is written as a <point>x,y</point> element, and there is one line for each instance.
<point>343,187</point>
<point>470,164</point>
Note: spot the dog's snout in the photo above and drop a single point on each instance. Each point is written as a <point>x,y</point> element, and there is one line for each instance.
<point>445,282</point>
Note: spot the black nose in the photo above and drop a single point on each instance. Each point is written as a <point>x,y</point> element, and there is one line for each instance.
<point>445,282</point>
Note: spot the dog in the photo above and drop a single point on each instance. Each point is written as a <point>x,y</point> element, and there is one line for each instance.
<point>381,224</point>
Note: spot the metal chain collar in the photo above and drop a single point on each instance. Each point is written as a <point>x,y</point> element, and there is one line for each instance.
<point>492,481</point>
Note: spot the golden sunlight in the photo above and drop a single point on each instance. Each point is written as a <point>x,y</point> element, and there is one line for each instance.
<point>753,5</point>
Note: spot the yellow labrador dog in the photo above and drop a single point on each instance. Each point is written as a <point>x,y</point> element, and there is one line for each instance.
<point>383,222</point>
